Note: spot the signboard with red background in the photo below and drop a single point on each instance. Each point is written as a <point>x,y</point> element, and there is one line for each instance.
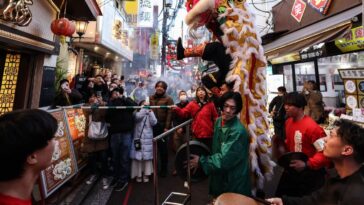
<point>76,122</point>
<point>298,10</point>
<point>320,5</point>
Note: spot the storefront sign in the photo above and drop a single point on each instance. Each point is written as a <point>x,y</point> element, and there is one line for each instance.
<point>63,165</point>
<point>154,46</point>
<point>313,52</point>
<point>145,13</point>
<point>16,12</point>
<point>353,41</point>
<point>320,5</point>
<point>298,10</point>
<point>286,58</point>
<point>351,73</point>
<point>76,123</point>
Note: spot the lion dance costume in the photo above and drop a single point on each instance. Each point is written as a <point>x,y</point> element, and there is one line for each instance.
<point>240,57</point>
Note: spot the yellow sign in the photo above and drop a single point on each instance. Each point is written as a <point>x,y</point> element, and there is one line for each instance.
<point>154,46</point>
<point>353,41</point>
<point>287,58</point>
<point>131,7</point>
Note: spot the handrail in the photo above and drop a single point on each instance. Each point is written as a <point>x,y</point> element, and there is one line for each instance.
<point>171,130</point>
<point>155,158</point>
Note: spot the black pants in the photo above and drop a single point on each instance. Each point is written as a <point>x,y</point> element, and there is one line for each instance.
<point>162,148</point>
<point>216,52</point>
<point>299,184</point>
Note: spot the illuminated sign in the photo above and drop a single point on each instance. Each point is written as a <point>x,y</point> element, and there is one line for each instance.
<point>354,40</point>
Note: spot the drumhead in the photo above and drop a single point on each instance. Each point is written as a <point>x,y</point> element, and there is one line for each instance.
<point>196,148</point>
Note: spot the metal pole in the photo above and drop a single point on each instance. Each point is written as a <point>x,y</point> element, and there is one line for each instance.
<point>155,174</point>
<point>164,38</point>
<point>188,158</point>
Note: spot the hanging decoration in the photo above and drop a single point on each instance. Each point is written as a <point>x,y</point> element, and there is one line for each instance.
<point>16,12</point>
<point>63,27</point>
<point>321,6</point>
<point>298,10</point>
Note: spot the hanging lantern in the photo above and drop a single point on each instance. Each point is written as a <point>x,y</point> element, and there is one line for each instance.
<point>60,26</point>
<point>71,29</point>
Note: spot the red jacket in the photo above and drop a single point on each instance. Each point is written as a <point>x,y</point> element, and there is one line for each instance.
<point>203,122</point>
<point>300,137</point>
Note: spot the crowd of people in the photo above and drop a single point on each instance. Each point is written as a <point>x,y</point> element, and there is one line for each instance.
<point>127,152</point>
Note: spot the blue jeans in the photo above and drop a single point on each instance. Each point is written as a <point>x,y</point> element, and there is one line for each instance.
<point>120,146</point>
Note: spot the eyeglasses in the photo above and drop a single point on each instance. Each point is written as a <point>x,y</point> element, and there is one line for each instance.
<point>226,106</point>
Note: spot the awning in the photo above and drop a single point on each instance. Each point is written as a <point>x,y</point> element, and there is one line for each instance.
<point>323,31</point>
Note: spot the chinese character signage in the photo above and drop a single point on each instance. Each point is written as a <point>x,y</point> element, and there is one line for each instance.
<point>76,123</point>
<point>145,13</point>
<point>154,46</point>
<point>298,10</point>
<point>320,5</point>
<point>63,165</point>
<point>353,41</point>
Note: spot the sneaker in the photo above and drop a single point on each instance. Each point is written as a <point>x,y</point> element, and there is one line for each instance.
<point>105,183</point>
<point>120,186</point>
<point>145,178</point>
<point>138,179</point>
<point>92,179</point>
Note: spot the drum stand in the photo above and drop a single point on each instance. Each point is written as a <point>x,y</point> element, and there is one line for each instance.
<point>184,197</point>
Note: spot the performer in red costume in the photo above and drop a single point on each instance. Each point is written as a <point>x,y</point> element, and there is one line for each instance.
<point>303,134</point>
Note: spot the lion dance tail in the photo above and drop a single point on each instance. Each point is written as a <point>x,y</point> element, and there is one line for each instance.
<point>249,66</point>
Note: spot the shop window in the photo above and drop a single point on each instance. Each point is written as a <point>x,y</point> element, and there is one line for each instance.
<point>304,72</point>
<point>288,78</point>
<point>8,83</point>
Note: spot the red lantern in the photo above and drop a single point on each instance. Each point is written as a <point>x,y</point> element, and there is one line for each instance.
<point>71,29</point>
<point>60,26</point>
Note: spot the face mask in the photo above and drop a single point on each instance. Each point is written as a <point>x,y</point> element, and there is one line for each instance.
<point>183,98</point>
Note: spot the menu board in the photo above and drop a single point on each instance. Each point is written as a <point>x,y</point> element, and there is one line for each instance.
<point>354,88</point>
<point>63,165</point>
<point>76,123</point>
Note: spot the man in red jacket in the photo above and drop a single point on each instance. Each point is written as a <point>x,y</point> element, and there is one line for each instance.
<point>303,134</point>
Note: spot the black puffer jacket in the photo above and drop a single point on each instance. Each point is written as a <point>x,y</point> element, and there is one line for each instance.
<point>121,120</point>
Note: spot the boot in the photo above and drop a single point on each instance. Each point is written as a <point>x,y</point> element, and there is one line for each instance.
<point>196,51</point>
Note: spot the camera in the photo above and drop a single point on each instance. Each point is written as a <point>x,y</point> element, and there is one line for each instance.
<point>137,144</point>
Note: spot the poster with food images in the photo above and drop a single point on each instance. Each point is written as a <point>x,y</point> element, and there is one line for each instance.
<point>360,86</point>
<point>361,101</point>
<point>76,123</point>
<point>351,101</point>
<point>350,86</point>
<point>353,79</point>
<point>63,165</point>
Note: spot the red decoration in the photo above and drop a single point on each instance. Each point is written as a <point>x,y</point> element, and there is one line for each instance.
<point>320,5</point>
<point>63,27</point>
<point>298,10</point>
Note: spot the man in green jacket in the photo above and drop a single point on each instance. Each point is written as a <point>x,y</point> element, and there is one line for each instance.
<point>228,165</point>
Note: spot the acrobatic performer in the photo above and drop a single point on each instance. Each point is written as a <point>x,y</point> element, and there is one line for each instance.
<point>240,58</point>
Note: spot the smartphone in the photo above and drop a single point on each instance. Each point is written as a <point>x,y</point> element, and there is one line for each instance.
<point>64,86</point>
<point>98,93</point>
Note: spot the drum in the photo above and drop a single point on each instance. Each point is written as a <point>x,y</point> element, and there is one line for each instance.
<point>196,148</point>
<point>238,199</point>
<point>285,160</point>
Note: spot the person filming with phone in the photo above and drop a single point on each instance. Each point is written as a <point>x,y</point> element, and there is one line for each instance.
<point>66,96</point>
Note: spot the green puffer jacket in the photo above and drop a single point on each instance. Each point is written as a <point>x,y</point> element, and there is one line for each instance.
<point>228,165</point>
